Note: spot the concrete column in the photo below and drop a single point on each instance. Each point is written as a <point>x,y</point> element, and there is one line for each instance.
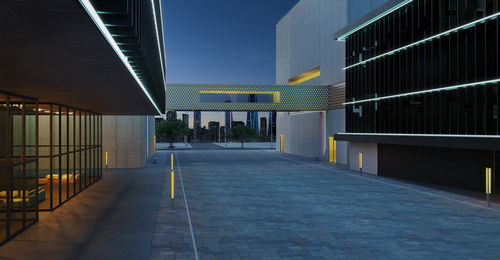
<point>370,157</point>
<point>126,139</point>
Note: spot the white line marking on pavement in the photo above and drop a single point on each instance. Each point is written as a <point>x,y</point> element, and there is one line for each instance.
<point>187,209</point>
<point>391,184</point>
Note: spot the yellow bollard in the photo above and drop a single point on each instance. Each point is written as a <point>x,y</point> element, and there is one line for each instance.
<point>488,185</point>
<point>155,144</point>
<point>172,162</point>
<point>334,152</point>
<point>330,149</point>
<point>172,184</point>
<point>361,163</point>
<point>106,159</point>
<point>282,143</point>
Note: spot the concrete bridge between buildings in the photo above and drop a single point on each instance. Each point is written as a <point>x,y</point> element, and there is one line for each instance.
<point>217,97</point>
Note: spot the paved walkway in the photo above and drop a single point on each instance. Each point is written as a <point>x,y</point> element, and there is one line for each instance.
<point>258,204</point>
<point>247,145</point>
<point>263,205</point>
<point>177,146</point>
<point>112,219</point>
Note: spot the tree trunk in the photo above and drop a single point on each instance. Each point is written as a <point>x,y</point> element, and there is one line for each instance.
<point>171,143</point>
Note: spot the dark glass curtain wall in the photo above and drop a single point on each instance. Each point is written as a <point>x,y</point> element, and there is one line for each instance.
<point>426,45</point>
<point>70,152</point>
<point>48,154</point>
<point>19,192</point>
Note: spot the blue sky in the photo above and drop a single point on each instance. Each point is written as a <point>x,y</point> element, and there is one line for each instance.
<point>222,41</point>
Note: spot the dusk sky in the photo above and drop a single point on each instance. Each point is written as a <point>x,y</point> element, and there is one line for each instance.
<point>222,41</point>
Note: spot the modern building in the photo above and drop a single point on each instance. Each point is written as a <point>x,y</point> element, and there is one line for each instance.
<point>185,119</point>
<point>306,54</point>
<point>272,124</point>
<point>80,84</point>
<point>197,126</point>
<point>422,90</point>
<point>213,131</point>
<point>253,120</point>
<point>228,120</point>
<point>263,127</point>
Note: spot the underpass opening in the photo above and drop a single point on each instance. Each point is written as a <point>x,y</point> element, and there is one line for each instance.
<point>209,130</point>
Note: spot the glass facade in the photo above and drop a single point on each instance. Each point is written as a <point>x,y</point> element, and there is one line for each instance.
<point>48,154</point>
<point>430,67</point>
<point>70,152</point>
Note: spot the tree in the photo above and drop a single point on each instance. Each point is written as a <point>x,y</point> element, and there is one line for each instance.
<point>170,129</point>
<point>241,133</point>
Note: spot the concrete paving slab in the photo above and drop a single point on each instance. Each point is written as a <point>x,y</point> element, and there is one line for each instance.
<point>266,205</point>
<point>112,219</point>
<point>248,145</point>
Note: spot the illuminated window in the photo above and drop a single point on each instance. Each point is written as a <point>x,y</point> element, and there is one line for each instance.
<point>227,96</point>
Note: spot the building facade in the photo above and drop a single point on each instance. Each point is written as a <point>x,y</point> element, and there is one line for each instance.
<point>306,54</point>
<point>81,83</point>
<point>422,90</point>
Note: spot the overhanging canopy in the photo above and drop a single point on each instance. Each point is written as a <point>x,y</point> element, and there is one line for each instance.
<point>53,51</point>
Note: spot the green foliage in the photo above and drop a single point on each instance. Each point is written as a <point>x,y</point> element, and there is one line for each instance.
<point>242,133</point>
<point>170,129</point>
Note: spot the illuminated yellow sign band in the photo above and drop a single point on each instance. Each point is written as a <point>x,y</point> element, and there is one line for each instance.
<point>310,74</point>
<point>276,94</point>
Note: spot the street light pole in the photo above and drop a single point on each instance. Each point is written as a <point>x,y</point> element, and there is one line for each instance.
<point>271,128</point>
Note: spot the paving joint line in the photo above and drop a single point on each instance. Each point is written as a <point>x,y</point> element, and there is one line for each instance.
<point>187,209</point>
<point>391,184</point>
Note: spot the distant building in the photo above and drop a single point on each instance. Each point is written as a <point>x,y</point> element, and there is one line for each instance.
<point>272,123</point>
<point>253,120</point>
<point>171,114</point>
<point>185,119</point>
<point>228,120</point>
<point>197,125</point>
<point>213,130</point>
<point>263,126</point>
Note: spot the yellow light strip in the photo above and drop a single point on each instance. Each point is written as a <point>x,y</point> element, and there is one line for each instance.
<point>488,180</point>
<point>282,143</point>
<point>235,92</point>
<point>330,139</point>
<point>310,74</point>
<point>276,94</point>
<point>361,160</point>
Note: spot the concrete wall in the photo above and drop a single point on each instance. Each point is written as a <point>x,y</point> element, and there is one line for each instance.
<point>126,138</point>
<point>370,157</point>
<point>358,8</point>
<point>335,123</point>
<point>302,133</point>
<point>304,40</point>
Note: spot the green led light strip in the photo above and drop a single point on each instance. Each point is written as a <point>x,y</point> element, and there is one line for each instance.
<point>158,40</point>
<point>102,27</point>
<point>344,36</point>
<point>424,91</point>
<point>463,27</point>
<point>423,135</point>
